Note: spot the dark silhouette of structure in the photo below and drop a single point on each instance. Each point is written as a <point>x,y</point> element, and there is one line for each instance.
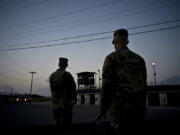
<point>31,81</point>
<point>87,90</point>
<point>86,80</point>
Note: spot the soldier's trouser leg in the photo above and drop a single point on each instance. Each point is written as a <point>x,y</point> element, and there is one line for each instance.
<point>56,116</point>
<point>117,128</point>
<point>63,116</point>
<point>128,122</point>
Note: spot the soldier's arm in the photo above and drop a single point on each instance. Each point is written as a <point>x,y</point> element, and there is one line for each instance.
<point>143,69</point>
<point>51,82</point>
<point>107,84</point>
<point>72,85</point>
<point>144,73</point>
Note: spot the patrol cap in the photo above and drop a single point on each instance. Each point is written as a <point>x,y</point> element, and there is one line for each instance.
<point>63,61</point>
<point>120,34</point>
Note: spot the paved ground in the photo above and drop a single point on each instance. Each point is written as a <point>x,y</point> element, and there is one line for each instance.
<point>155,127</point>
<point>37,118</point>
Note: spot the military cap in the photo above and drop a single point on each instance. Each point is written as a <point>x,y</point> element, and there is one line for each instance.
<point>63,60</point>
<point>120,33</point>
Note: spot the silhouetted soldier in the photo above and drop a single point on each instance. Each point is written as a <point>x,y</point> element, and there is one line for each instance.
<point>63,89</point>
<point>123,86</point>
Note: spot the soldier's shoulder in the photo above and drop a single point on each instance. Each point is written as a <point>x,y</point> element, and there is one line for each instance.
<point>67,73</point>
<point>53,73</point>
<point>111,55</point>
<point>137,56</point>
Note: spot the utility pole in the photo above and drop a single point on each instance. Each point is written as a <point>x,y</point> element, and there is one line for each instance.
<point>32,81</point>
<point>99,78</point>
<point>154,64</point>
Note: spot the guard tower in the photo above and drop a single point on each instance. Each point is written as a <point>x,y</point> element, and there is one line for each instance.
<point>86,80</point>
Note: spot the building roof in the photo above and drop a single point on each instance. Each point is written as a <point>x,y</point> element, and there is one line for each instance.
<point>164,88</point>
<point>86,73</point>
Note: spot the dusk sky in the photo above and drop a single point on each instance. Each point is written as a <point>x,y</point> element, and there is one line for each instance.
<point>35,33</point>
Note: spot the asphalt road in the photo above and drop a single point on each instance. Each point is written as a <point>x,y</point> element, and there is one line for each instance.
<point>39,116</point>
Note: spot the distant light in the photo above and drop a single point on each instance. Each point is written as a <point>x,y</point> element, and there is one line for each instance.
<point>153,63</point>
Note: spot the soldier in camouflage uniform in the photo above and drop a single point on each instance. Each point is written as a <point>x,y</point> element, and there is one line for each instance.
<point>123,86</point>
<point>63,89</point>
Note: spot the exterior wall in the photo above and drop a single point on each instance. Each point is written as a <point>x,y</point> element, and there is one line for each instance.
<point>87,99</point>
<point>97,99</point>
<point>152,99</point>
<point>156,96</point>
<point>164,98</point>
<point>78,102</point>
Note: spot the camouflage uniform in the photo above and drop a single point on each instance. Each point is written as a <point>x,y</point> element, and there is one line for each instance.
<point>63,89</point>
<point>124,87</point>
